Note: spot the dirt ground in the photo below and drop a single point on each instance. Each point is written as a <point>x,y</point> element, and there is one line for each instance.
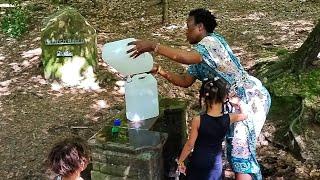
<point>35,113</point>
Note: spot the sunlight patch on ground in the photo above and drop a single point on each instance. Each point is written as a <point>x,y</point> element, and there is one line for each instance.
<point>4,87</point>
<point>2,57</point>
<point>55,86</point>
<point>299,25</point>
<point>119,88</point>
<point>172,28</point>
<point>32,57</point>
<point>15,67</point>
<point>31,53</point>
<point>238,51</point>
<point>99,104</point>
<point>252,17</point>
<point>38,79</point>
<point>290,30</point>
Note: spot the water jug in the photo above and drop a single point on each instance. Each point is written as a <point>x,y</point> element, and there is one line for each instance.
<point>115,54</point>
<point>141,95</point>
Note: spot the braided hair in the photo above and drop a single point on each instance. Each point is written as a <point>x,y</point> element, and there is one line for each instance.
<point>213,90</point>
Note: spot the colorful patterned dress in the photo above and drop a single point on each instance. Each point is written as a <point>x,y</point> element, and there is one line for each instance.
<point>218,60</point>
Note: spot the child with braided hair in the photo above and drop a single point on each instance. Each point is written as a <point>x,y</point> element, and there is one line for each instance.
<point>207,134</point>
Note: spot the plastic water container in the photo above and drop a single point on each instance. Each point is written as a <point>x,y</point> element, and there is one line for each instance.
<point>115,54</point>
<point>141,95</point>
<point>141,92</point>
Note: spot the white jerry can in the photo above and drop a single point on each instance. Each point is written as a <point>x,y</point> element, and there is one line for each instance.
<point>141,91</point>
<point>115,54</point>
<point>141,94</point>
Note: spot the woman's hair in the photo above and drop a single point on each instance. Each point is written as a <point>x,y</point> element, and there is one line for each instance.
<point>213,91</point>
<point>67,156</point>
<point>205,17</point>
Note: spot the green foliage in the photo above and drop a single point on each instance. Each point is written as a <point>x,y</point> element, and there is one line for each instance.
<point>282,53</point>
<point>58,1</point>
<point>15,22</point>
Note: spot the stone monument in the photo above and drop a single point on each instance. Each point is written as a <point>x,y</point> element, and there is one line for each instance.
<point>69,48</point>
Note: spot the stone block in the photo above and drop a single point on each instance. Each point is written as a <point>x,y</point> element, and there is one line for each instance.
<point>69,48</point>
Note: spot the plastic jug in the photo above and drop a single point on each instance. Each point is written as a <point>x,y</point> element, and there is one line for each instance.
<point>115,54</point>
<point>141,95</point>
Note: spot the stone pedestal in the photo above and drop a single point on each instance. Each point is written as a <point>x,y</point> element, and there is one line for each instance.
<point>119,160</point>
<point>141,150</point>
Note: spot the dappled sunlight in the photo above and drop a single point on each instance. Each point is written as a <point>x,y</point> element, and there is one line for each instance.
<point>55,86</point>
<point>92,118</point>
<point>120,83</point>
<point>71,74</point>
<point>251,17</point>
<point>294,27</point>
<point>99,104</point>
<point>291,30</point>
<point>32,57</point>
<point>2,57</point>
<point>70,71</point>
<point>15,67</point>
<point>290,23</point>
<point>38,79</point>
<point>31,53</point>
<point>4,87</point>
<point>119,88</point>
<point>165,32</point>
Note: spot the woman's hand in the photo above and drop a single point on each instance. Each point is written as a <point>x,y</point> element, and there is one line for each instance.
<point>141,46</point>
<point>155,69</point>
<point>182,169</point>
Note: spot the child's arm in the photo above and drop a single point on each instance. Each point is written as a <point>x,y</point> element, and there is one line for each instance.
<point>240,116</point>
<point>192,139</point>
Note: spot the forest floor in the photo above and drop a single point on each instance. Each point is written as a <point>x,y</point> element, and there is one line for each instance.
<point>36,113</point>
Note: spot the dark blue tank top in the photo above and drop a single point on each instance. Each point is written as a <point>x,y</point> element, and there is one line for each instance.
<point>212,131</point>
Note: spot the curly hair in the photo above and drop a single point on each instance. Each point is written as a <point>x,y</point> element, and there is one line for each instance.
<point>67,156</point>
<point>213,91</point>
<point>205,17</point>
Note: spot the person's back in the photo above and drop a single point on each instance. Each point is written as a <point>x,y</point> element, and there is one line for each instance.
<point>208,146</point>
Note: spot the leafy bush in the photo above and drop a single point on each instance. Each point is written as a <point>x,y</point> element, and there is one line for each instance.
<point>14,22</point>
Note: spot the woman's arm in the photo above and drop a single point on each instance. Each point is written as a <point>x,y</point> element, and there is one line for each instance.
<point>177,55</point>
<point>192,139</point>
<point>182,80</point>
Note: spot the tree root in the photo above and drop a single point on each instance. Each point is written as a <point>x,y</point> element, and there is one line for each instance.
<point>296,143</point>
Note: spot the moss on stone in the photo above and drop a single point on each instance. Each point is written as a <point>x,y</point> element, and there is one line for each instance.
<point>169,103</point>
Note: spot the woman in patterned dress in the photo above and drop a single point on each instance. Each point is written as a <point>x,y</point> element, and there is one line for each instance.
<point>212,57</point>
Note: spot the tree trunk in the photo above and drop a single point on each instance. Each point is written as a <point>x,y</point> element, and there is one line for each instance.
<point>308,52</point>
<point>164,11</point>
